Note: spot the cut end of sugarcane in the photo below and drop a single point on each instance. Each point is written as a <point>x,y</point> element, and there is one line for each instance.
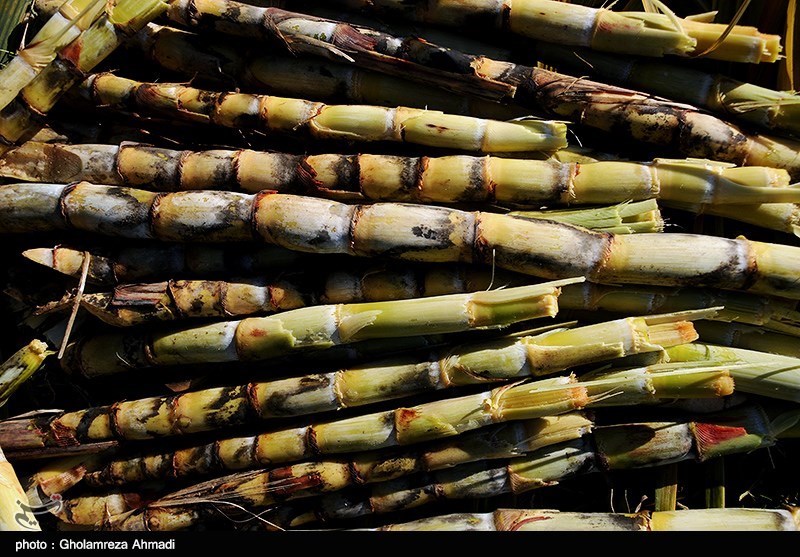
<point>651,34</point>
<point>134,14</point>
<point>624,218</point>
<point>495,308</point>
<point>42,256</point>
<point>41,52</point>
<point>549,397</point>
<point>505,295</point>
<point>676,328</point>
<point>21,366</point>
<point>671,334</point>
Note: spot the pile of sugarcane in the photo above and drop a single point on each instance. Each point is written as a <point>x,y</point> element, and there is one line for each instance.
<point>283,265</point>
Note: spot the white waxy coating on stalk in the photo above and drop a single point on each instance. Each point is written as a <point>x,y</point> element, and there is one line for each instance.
<point>212,211</point>
<point>640,253</point>
<point>285,224</point>
<point>32,206</point>
<point>115,211</point>
<point>136,420</point>
<point>382,227</point>
<point>246,106</point>
<point>251,300</point>
<point>320,30</point>
<point>324,396</point>
<point>394,123</point>
<point>550,464</point>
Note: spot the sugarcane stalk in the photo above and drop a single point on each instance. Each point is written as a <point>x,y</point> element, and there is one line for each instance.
<point>640,116</point>
<point>311,328</point>
<point>217,61</point>
<point>406,231</point>
<point>307,480</point>
<point>513,358</point>
<point>353,284</point>
<point>262,488</point>
<point>756,372</point>
<point>21,118</point>
<point>20,367</point>
<point>616,447</point>
<point>750,103</point>
<point>527,520</point>
<point>367,177</point>
<point>622,31</point>
<point>365,123</point>
<point>65,25</point>
<point>611,447</point>
<point>16,513</point>
<point>425,422</point>
<point>135,304</point>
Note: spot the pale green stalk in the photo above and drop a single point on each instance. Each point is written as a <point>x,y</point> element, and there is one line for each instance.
<point>759,373</point>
